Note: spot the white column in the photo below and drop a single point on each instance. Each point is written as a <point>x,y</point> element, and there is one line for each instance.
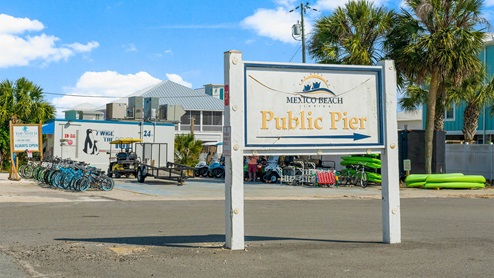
<point>233,150</point>
<point>391,215</point>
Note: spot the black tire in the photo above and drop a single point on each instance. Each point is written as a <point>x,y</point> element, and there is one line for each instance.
<point>203,172</point>
<point>218,173</point>
<point>110,169</point>
<point>345,179</point>
<point>363,180</point>
<point>141,174</point>
<point>106,184</point>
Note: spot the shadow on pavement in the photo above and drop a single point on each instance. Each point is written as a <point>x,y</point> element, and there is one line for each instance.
<point>189,240</point>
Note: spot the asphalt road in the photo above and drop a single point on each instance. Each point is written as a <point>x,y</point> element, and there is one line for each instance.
<point>442,237</point>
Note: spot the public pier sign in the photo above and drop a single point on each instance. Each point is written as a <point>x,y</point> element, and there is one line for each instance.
<point>313,106</point>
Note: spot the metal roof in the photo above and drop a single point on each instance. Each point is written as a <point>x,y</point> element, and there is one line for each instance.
<point>170,92</point>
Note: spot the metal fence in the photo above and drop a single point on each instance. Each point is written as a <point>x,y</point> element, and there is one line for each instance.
<point>470,159</point>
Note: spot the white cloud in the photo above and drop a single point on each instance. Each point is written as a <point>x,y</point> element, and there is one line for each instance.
<point>275,24</point>
<point>289,4</point>
<point>17,49</point>
<point>78,47</point>
<point>13,25</point>
<point>108,84</point>
<point>178,79</point>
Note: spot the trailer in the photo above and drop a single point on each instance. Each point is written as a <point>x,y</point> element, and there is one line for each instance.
<point>154,163</point>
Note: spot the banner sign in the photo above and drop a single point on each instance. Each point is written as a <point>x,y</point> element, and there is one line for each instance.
<point>26,137</point>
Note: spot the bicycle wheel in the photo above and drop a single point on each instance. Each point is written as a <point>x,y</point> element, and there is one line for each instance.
<point>106,184</point>
<point>28,171</point>
<point>363,179</point>
<point>67,181</point>
<point>21,171</point>
<point>343,177</point>
<point>82,184</point>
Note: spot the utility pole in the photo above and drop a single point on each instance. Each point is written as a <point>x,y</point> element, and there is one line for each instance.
<point>296,28</point>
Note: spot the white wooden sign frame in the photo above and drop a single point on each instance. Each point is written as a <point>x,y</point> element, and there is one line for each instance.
<point>308,109</point>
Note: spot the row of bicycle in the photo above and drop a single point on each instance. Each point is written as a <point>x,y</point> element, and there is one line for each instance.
<point>66,174</point>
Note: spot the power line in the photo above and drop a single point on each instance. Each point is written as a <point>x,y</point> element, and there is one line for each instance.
<point>295,53</point>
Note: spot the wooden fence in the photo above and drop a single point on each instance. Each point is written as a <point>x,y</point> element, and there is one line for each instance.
<point>470,159</point>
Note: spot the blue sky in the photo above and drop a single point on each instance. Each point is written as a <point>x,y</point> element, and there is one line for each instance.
<point>114,48</point>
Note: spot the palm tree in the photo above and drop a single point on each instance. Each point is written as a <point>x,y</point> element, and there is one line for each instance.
<point>187,149</point>
<point>436,41</point>
<point>476,92</point>
<point>417,95</point>
<point>23,101</point>
<point>351,34</point>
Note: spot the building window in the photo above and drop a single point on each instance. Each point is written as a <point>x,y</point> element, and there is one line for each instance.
<point>217,118</point>
<point>212,117</point>
<point>186,118</point>
<point>449,113</point>
<point>197,117</point>
<point>207,118</point>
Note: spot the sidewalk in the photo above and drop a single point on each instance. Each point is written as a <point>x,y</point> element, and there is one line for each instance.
<point>210,189</point>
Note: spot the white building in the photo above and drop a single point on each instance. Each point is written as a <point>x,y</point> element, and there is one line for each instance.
<point>409,119</point>
<point>88,140</point>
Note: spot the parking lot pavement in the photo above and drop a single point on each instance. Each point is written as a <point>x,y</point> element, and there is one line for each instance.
<point>210,189</point>
<point>442,237</point>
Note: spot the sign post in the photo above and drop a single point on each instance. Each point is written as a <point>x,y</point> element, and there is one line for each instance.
<point>301,109</point>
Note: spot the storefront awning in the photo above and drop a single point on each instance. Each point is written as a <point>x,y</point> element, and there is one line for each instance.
<point>48,128</point>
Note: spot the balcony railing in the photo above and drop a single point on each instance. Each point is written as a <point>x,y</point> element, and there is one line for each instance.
<point>198,128</point>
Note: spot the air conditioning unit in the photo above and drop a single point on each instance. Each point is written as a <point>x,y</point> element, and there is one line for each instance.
<point>151,106</point>
<point>130,113</point>
<point>170,112</point>
<point>135,107</point>
<point>138,114</point>
<point>162,112</point>
<point>116,111</point>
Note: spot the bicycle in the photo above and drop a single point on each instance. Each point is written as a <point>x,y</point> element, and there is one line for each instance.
<point>354,174</point>
<point>347,176</point>
<point>94,178</point>
<point>361,178</point>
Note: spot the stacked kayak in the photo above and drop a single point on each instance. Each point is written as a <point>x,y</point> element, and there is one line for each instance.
<point>447,181</point>
<point>371,162</point>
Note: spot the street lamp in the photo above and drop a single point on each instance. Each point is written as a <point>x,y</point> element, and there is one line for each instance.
<point>298,28</point>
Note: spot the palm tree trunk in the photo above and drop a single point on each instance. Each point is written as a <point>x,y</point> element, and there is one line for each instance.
<point>440,107</point>
<point>430,118</point>
<point>470,122</point>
